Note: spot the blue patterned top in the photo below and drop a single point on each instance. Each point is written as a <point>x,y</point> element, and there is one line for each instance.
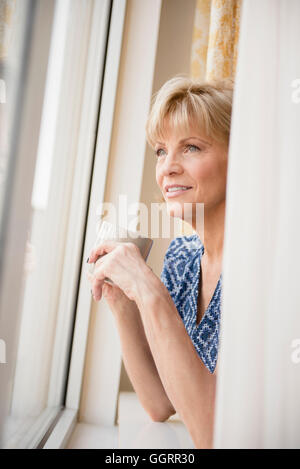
<point>181,274</point>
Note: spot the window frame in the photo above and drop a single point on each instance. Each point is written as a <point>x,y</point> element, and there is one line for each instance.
<point>16,210</point>
<point>73,258</point>
<point>102,149</point>
<point>69,416</point>
<point>58,300</point>
<point>55,423</point>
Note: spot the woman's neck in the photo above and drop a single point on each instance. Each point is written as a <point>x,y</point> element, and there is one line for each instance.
<point>213,233</point>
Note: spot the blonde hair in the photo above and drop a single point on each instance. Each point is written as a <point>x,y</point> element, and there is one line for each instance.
<point>184,101</point>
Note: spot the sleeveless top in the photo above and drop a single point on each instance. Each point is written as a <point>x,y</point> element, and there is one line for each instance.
<point>181,274</point>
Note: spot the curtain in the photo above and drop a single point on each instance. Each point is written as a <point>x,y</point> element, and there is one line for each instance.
<point>215,39</point>
<point>214,46</point>
<point>258,387</point>
<point>7,12</point>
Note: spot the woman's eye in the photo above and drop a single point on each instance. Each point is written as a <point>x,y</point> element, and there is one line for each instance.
<point>192,148</point>
<point>159,151</point>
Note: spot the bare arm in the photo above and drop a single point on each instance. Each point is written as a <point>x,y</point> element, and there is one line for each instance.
<point>187,381</point>
<point>137,356</point>
<point>188,384</point>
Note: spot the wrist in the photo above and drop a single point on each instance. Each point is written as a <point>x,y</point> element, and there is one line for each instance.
<point>148,289</point>
<point>126,315</point>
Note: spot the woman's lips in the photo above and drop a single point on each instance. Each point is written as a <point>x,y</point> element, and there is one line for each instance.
<point>172,194</point>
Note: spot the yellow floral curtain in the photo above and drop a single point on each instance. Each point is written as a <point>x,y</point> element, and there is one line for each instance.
<point>215,39</point>
<point>7,12</point>
<point>214,46</point>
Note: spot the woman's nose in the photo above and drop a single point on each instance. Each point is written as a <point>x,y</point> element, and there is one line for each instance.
<point>172,164</point>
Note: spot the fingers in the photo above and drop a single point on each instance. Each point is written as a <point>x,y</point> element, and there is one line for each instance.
<point>98,261</point>
<point>104,248</point>
<point>89,276</point>
<point>100,288</point>
<point>96,285</point>
<point>114,296</point>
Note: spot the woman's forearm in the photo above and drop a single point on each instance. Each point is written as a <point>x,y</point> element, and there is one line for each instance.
<point>188,383</point>
<point>140,365</point>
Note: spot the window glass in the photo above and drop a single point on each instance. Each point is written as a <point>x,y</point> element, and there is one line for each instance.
<point>35,366</point>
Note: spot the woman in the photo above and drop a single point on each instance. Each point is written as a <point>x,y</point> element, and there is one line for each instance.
<point>169,327</point>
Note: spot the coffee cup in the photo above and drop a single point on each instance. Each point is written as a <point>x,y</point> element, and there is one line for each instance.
<point>109,232</point>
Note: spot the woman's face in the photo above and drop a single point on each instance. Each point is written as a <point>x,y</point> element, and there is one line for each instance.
<point>195,166</point>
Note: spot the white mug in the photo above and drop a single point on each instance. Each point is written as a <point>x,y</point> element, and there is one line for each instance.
<point>108,231</point>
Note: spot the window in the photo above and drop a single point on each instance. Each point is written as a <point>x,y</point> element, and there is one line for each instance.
<point>53,68</point>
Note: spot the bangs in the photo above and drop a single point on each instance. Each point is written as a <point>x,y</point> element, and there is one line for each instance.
<point>179,117</point>
<point>183,104</point>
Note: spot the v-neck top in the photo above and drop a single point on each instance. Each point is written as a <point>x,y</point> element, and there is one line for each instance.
<point>181,274</point>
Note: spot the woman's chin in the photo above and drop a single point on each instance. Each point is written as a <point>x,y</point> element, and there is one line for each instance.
<point>177,210</point>
<point>174,212</point>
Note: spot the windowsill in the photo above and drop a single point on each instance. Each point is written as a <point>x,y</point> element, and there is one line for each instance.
<point>135,430</point>
<point>21,433</point>
<point>86,436</point>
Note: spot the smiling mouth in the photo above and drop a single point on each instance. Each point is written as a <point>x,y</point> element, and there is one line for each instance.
<point>173,191</point>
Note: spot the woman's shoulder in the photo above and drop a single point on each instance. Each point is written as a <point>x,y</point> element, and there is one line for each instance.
<point>179,264</point>
<point>184,247</point>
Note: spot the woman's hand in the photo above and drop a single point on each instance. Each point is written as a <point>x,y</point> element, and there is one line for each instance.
<point>123,264</point>
<point>116,299</point>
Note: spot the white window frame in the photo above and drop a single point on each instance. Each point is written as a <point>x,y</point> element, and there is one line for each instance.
<point>64,145</point>
<point>33,70</point>
<point>65,425</point>
<point>97,92</point>
<point>80,195</point>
